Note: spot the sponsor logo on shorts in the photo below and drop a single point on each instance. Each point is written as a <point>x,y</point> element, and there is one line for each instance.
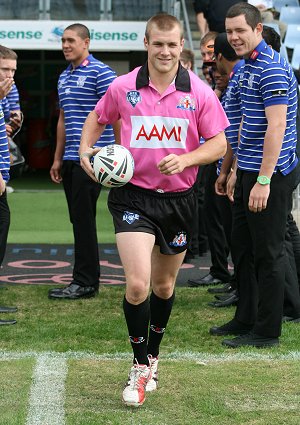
<point>187,103</point>
<point>157,330</point>
<point>158,132</point>
<point>133,97</point>
<point>136,339</point>
<point>130,217</point>
<point>179,240</point>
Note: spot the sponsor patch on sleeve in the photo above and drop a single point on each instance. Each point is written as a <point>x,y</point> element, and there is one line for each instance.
<point>279,92</point>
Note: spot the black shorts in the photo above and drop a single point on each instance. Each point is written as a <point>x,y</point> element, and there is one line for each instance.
<point>167,216</point>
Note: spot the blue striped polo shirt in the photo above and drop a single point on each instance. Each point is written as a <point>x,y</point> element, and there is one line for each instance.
<point>231,103</point>
<point>267,80</point>
<point>4,152</point>
<point>79,89</point>
<point>13,99</point>
<point>5,108</point>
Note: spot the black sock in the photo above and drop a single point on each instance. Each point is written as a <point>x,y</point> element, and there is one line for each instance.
<point>137,319</point>
<point>160,311</point>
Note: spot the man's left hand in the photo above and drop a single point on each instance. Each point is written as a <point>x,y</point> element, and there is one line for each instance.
<point>259,197</point>
<point>171,164</point>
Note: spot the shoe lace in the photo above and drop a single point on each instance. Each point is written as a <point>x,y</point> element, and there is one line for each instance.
<point>153,363</point>
<point>138,375</point>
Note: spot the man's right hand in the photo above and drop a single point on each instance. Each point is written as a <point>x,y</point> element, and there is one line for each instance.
<point>5,87</point>
<point>55,171</point>
<point>2,185</point>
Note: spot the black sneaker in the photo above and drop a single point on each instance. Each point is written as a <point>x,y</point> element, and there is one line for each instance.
<point>251,340</point>
<point>204,281</point>
<point>231,328</point>
<point>222,290</point>
<point>8,322</point>
<point>72,292</point>
<point>4,309</point>
<point>225,297</point>
<point>288,319</point>
<point>229,301</point>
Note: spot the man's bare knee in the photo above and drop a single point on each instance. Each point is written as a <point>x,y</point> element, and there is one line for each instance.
<point>136,293</point>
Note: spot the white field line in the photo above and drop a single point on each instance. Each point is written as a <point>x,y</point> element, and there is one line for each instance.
<point>229,356</point>
<point>47,394</point>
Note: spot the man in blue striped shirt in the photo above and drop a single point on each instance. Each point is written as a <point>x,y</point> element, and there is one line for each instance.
<point>266,162</point>
<point>8,64</point>
<point>228,63</point>
<point>4,177</point>
<point>80,87</point>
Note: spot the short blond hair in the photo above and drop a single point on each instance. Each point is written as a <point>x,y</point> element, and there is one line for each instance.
<point>6,53</point>
<point>209,36</point>
<point>187,55</point>
<point>163,22</point>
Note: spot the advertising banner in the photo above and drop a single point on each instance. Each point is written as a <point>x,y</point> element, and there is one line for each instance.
<point>46,35</point>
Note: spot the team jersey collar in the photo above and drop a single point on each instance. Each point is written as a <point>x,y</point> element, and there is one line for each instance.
<point>257,51</point>
<point>182,80</point>
<point>236,67</point>
<point>84,63</point>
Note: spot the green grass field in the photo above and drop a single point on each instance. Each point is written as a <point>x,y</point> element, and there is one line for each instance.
<point>39,213</point>
<point>69,360</point>
<point>65,363</point>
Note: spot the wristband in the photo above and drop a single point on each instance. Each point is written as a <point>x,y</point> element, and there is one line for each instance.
<point>263,180</point>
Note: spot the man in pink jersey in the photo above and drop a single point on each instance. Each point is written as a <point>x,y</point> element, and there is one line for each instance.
<point>164,110</point>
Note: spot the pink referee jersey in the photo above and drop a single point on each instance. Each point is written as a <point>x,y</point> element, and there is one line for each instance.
<point>155,125</point>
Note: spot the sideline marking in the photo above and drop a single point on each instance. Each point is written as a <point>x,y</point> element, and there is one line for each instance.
<point>206,358</point>
<point>47,394</point>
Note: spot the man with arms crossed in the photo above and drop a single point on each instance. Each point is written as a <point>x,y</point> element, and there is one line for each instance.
<point>164,110</point>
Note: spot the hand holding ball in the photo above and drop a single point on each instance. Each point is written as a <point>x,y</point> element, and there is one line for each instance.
<point>113,166</point>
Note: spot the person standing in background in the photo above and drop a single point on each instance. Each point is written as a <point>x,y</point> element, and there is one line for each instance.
<point>265,178</point>
<point>8,66</point>
<point>80,87</point>
<point>210,14</point>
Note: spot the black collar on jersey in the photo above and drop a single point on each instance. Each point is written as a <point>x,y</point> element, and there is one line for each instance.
<point>182,80</point>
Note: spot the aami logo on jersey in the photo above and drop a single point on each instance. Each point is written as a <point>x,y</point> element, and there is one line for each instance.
<point>158,132</point>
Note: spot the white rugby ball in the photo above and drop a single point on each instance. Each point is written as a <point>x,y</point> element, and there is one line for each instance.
<point>113,166</point>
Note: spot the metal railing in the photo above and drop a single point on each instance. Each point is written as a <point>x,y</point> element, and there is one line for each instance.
<point>86,9</point>
<point>91,9</point>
